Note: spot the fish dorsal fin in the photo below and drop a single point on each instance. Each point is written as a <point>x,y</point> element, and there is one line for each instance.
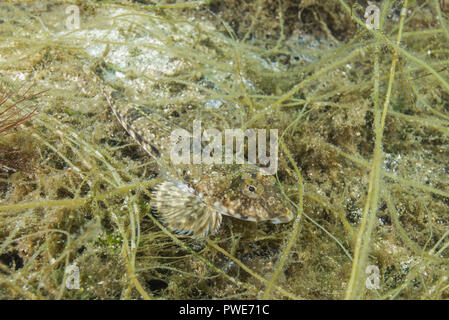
<point>183,211</point>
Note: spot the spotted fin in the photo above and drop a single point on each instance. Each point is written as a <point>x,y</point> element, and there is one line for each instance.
<point>183,211</point>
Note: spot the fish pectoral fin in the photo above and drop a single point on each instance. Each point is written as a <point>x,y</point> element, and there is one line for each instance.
<point>182,211</point>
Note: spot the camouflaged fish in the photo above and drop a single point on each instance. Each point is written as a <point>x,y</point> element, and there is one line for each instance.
<point>193,198</point>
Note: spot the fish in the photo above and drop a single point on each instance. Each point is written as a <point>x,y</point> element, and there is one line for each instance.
<point>193,198</point>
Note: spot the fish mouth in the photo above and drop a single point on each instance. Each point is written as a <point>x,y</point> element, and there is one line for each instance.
<point>284,218</point>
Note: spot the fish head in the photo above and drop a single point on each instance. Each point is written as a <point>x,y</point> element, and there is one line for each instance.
<point>254,196</point>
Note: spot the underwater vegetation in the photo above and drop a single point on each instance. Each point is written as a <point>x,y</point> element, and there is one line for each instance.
<point>11,116</point>
<point>363,120</point>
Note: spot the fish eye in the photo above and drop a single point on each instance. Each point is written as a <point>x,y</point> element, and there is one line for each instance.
<point>251,189</point>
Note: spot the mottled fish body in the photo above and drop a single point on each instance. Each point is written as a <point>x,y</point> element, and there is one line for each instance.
<point>193,197</point>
